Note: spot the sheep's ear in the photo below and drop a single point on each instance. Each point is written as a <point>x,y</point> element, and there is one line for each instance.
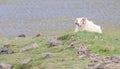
<point>84,20</point>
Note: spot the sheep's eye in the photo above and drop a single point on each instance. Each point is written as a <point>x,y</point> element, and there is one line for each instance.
<point>77,24</point>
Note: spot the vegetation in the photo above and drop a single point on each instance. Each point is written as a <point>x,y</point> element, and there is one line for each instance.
<point>64,57</point>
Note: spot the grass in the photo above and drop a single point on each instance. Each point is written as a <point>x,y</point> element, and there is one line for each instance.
<point>64,57</point>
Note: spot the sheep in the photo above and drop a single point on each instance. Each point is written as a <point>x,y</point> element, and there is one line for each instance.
<point>83,24</point>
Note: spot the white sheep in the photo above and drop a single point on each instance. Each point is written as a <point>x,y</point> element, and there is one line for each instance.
<point>83,24</point>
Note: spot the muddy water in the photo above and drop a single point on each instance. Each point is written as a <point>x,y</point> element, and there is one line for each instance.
<point>53,17</point>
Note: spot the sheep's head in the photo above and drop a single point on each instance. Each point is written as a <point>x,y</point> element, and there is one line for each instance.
<point>80,21</point>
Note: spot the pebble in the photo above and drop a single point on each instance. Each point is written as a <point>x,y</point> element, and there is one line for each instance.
<point>32,46</point>
<point>5,66</point>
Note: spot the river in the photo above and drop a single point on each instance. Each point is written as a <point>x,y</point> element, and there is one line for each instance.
<point>55,17</point>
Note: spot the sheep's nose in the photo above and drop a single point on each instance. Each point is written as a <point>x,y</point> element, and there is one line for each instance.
<point>76,23</point>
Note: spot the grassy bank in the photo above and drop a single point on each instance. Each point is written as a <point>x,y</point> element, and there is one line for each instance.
<point>64,57</point>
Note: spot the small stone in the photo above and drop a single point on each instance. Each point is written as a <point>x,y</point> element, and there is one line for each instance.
<point>72,45</point>
<point>10,51</point>
<point>26,61</point>
<point>115,58</point>
<point>48,54</point>
<point>83,51</point>
<point>6,45</point>
<point>38,35</point>
<point>107,60</point>
<point>32,46</point>
<point>118,65</point>
<point>101,66</point>
<point>22,35</point>
<point>82,56</point>
<point>55,42</point>
<point>91,65</point>
<point>6,51</point>
<point>5,66</point>
<point>94,58</point>
<point>52,41</point>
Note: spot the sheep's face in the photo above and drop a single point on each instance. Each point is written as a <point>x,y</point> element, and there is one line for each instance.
<point>80,21</point>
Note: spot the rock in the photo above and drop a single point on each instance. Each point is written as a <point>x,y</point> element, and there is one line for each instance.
<point>90,66</point>
<point>83,51</point>
<point>5,66</point>
<point>22,35</point>
<point>115,60</point>
<point>38,35</point>
<point>97,66</point>
<point>115,56</point>
<point>7,45</point>
<point>32,46</point>
<point>72,45</point>
<point>54,42</point>
<point>26,61</point>
<point>6,51</point>
<point>107,60</point>
<point>95,58</point>
<point>118,65</point>
<point>48,54</point>
<point>101,66</point>
<point>109,48</point>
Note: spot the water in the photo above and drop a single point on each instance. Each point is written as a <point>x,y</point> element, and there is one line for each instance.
<point>54,17</point>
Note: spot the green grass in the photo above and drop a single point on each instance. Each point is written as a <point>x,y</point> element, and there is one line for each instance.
<point>64,58</point>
